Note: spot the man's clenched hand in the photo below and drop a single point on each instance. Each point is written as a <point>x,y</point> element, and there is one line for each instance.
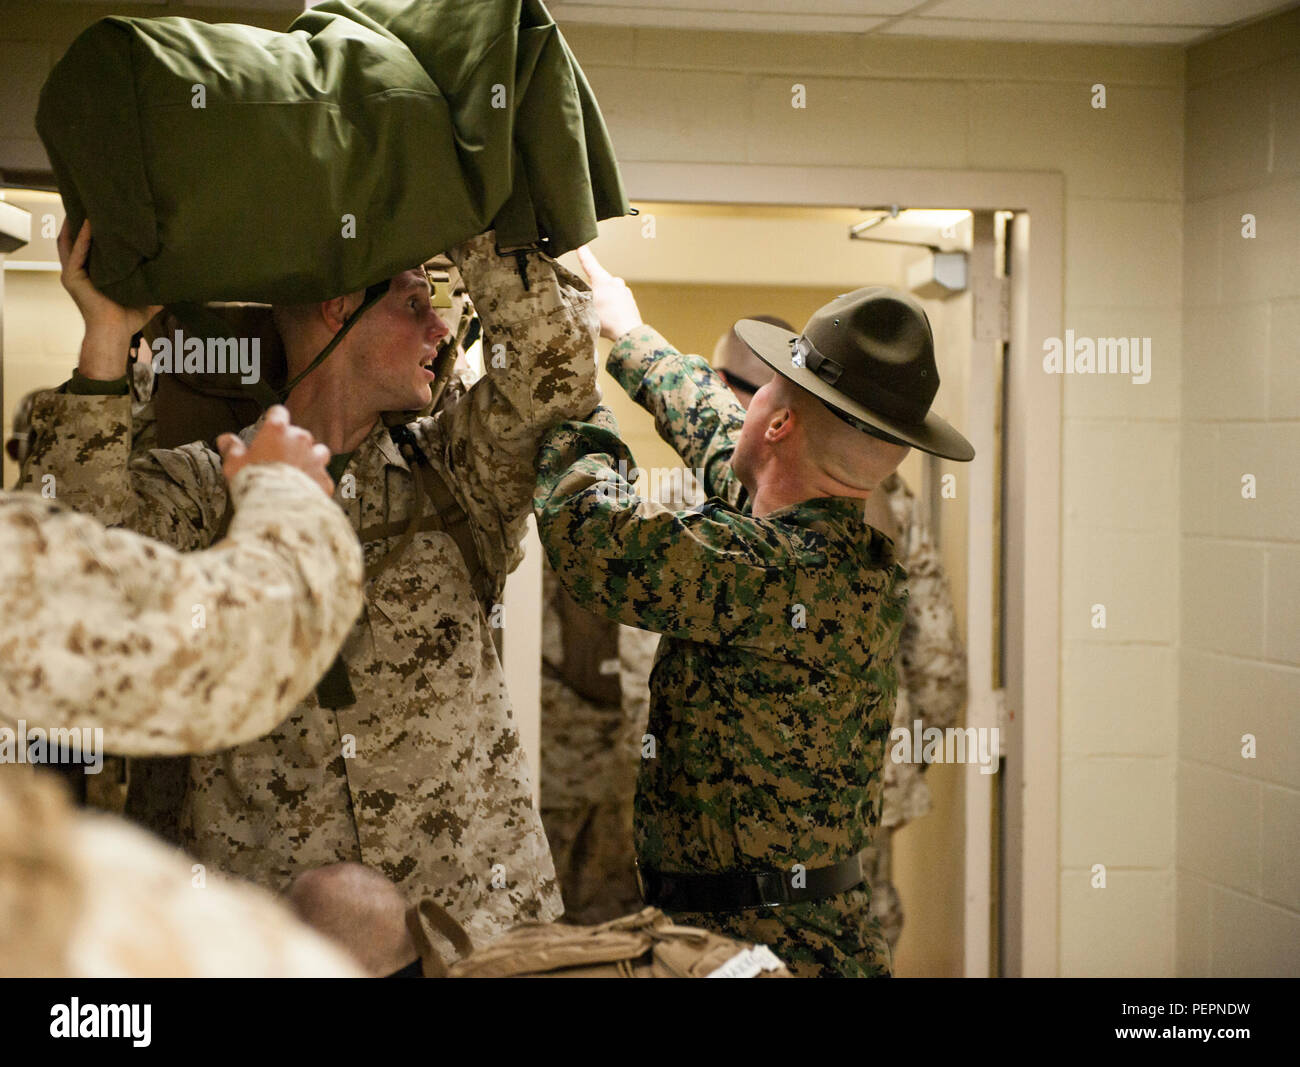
<point>278,441</point>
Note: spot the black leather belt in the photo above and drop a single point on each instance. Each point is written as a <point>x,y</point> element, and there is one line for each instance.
<point>737,890</point>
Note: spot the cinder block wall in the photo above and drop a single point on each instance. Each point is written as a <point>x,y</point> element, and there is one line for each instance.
<point>1238,847</point>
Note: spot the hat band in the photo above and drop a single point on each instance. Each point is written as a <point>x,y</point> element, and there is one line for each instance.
<point>825,368</point>
<point>889,404</point>
<point>865,427</point>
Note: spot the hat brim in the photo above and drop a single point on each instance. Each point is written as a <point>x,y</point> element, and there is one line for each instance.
<point>771,344</point>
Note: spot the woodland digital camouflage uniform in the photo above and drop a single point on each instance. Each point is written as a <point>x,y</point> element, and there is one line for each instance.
<point>590,749</point>
<point>97,631</point>
<point>438,794</point>
<point>774,686</point>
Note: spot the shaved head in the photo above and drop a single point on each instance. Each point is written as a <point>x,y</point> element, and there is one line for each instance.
<point>359,909</point>
<point>832,446</point>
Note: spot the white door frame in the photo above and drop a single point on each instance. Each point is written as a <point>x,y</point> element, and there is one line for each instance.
<point>1032,501</point>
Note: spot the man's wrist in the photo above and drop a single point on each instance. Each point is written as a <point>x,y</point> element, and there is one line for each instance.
<point>104,354</point>
<point>623,332</point>
<point>636,344</point>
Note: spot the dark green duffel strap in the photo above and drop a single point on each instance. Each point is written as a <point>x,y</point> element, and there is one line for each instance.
<point>335,690</point>
<point>448,515</point>
<point>373,293</point>
<point>268,396</point>
<point>404,531</point>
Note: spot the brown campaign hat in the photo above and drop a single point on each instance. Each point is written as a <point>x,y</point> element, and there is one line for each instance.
<point>868,355</point>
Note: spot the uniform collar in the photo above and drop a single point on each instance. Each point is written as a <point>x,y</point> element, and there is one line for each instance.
<point>847,509</point>
<point>378,438</point>
<point>846,513</point>
<point>383,440</point>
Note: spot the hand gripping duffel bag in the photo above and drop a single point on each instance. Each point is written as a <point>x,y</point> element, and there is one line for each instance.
<point>647,944</point>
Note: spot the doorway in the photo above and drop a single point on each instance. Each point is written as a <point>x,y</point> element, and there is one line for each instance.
<point>718,244</point>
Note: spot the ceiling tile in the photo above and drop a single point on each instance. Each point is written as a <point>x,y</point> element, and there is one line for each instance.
<point>1146,13</point>
<point>678,18</point>
<point>1045,31</point>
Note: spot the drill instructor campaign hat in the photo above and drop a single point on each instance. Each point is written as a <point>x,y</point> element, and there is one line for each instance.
<point>868,355</point>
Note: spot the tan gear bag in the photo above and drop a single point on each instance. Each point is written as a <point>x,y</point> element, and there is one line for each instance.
<point>647,944</point>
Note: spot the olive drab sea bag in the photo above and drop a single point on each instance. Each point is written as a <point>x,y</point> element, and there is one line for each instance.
<point>222,162</point>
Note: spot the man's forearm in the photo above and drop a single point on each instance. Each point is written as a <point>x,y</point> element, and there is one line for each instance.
<point>539,353</point>
<point>693,409</point>
<point>278,598</point>
<point>539,337</point>
<point>104,352</point>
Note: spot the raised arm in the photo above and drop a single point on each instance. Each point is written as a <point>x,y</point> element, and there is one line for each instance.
<point>81,433</point>
<point>539,357</point>
<point>694,574</point>
<point>693,409</point>
<point>173,652</point>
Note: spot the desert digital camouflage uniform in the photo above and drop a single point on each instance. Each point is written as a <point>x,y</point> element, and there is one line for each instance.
<point>774,685</point>
<point>97,631</point>
<point>590,749</point>
<point>931,665</point>
<point>438,793</point>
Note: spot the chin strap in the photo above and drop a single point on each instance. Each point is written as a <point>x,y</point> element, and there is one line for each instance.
<point>373,293</point>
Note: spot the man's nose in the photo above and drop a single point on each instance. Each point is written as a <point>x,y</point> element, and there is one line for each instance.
<point>438,328</point>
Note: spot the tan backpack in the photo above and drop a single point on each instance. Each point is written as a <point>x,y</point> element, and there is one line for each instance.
<point>644,945</point>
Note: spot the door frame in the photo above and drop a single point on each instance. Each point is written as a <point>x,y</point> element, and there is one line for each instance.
<point>1032,501</point>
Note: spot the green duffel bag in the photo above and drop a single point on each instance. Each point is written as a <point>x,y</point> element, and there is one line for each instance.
<point>230,163</point>
<point>526,121</point>
<point>226,162</point>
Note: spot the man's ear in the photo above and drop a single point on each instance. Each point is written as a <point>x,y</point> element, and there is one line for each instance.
<point>779,426</point>
<point>334,313</point>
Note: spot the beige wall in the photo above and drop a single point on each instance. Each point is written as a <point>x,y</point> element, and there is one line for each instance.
<point>714,97</point>
<point>42,329</point>
<point>1238,844</point>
